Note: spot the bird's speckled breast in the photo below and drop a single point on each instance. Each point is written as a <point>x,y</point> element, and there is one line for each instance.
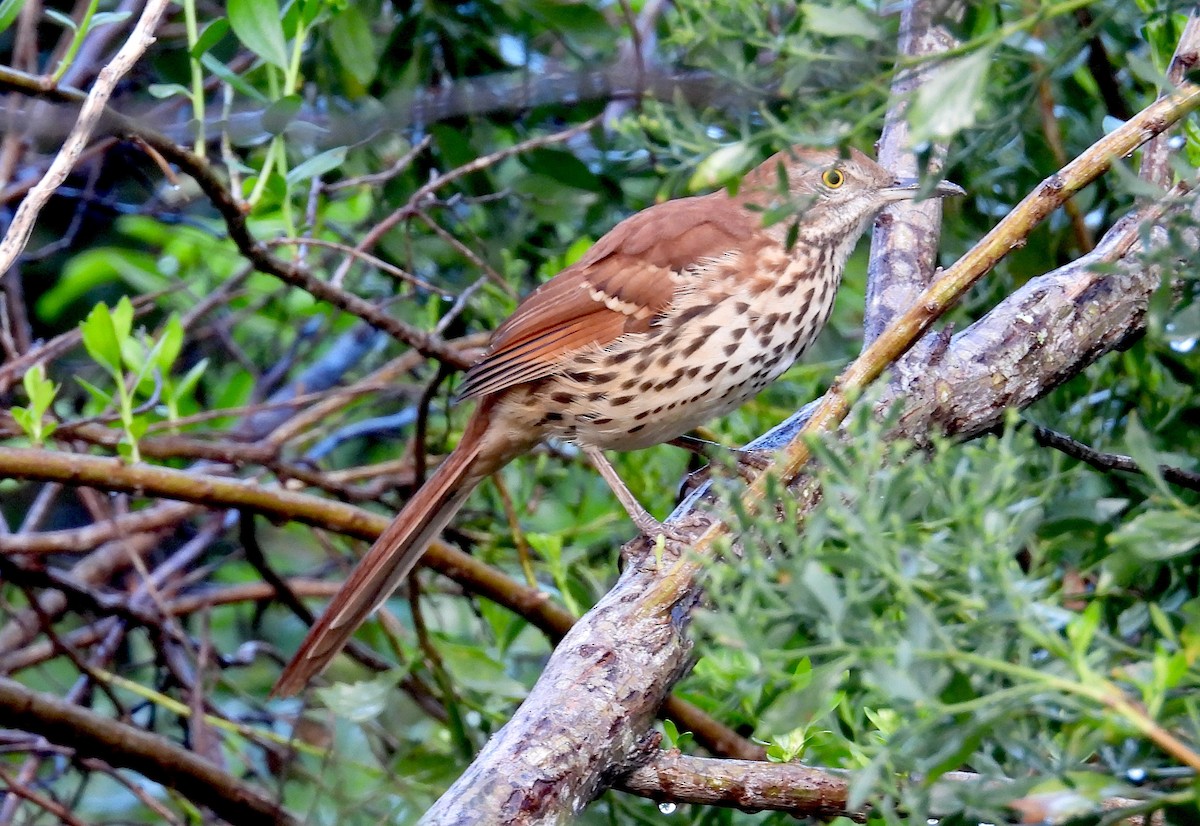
<point>713,350</point>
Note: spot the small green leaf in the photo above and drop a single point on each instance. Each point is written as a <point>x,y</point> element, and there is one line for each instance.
<point>235,81</point>
<point>212,34</point>
<point>317,165</point>
<point>137,428</point>
<point>1158,534</point>
<point>363,701</point>
<point>353,44</point>
<point>100,338</point>
<point>187,384</point>
<point>838,21</point>
<point>1082,629</point>
<point>25,419</point>
<point>127,449</point>
<point>168,90</point>
<point>671,733</point>
<point>721,166</point>
<point>108,18</point>
<point>122,318</point>
<point>61,19</point>
<point>280,113</point>
<point>102,398</point>
<point>258,24</point>
<point>170,343</point>
<point>133,355</point>
<point>788,747</point>
<point>310,10</point>
<point>562,166</point>
<point>41,390</point>
<point>952,98</point>
<point>9,9</point>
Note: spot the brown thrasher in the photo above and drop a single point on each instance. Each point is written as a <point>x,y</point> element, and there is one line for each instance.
<point>681,313</point>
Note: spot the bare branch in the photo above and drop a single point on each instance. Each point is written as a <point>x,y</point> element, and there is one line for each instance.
<point>151,755</point>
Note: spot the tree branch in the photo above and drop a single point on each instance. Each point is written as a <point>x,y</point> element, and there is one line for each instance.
<point>152,756</point>
<point>1109,461</point>
<point>189,486</point>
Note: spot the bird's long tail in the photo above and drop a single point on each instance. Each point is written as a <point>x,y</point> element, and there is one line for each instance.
<point>393,555</point>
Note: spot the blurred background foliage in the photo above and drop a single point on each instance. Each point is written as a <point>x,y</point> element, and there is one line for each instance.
<point>966,607</point>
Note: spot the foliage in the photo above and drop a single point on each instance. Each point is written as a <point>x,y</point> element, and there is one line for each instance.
<point>969,606</point>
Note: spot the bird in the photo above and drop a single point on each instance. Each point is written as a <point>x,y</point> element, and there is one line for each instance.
<point>679,314</point>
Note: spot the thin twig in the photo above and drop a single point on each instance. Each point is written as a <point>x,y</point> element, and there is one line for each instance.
<point>89,115</point>
<point>417,199</point>
<point>1109,461</point>
<point>378,178</point>
<point>365,257</point>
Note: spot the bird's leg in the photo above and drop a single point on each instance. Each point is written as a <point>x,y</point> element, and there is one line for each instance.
<point>646,524</point>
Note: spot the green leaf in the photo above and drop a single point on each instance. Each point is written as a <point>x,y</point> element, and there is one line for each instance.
<point>163,91</point>
<point>475,670</point>
<point>122,318</point>
<point>25,419</point>
<point>1158,534</point>
<point>563,167</point>
<point>61,19</point>
<point>184,386</point>
<point>317,165</point>
<point>170,343</point>
<point>9,9</point>
<point>670,732</point>
<point>137,427</point>
<point>721,166</point>
<point>838,21</point>
<point>280,113</point>
<point>789,746</point>
<point>236,81</point>
<point>108,18</point>
<point>100,338</point>
<point>102,398</point>
<point>258,24</point>
<point>353,44</point>
<point>99,267</point>
<point>41,390</point>
<point>137,358</point>
<point>127,449</point>
<point>952,98</point>
<point>1082,629</point>
<point>363,701</point>
<point>310,10</point>
<point>212,34</point>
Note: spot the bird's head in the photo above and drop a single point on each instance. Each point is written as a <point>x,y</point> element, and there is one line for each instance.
<point>840,192</point>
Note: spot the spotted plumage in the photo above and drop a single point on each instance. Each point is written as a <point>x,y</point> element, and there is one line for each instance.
<point>679,314</point>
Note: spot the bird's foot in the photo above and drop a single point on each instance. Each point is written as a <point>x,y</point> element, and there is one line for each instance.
<point>752,463</point>
<point>680,533</point>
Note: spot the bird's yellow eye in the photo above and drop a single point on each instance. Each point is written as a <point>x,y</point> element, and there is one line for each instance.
<point>833,178</point>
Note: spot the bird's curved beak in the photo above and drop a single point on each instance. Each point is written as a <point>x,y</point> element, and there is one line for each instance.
<point>907,188</point>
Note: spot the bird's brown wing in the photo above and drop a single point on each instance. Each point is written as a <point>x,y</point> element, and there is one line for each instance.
<point>620,286</point>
